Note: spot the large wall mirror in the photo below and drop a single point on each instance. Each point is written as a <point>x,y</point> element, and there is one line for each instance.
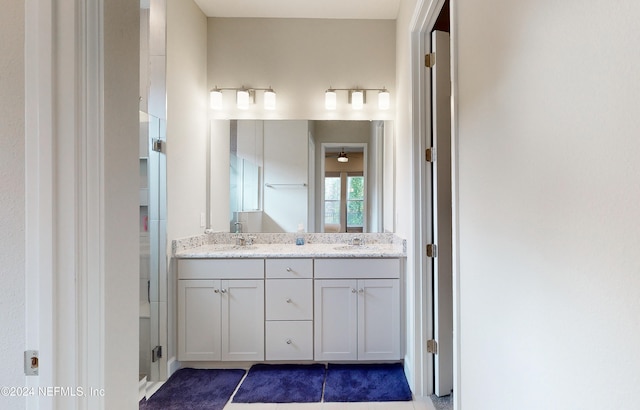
<point>323,175</point>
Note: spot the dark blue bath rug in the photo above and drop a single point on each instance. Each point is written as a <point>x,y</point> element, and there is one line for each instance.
<point>366,382</point>
<point>195,389</point>
<point>282,383</point>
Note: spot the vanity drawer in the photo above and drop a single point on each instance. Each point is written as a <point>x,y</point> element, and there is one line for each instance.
<point>289,340</point>
<point>360,268</point>
<point>220,268</point>
<point>289,268</point>
<point>289,299</point>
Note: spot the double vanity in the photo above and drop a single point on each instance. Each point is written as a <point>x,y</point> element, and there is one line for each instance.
<point>338,297</point>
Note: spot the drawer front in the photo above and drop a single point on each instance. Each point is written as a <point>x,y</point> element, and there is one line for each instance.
<point>220,268</point>
<point>356,268</point>
<point>289,268</point>
<point>289,340</point>
<point>289,299</point>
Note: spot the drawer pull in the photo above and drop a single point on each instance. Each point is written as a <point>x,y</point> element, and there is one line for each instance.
<point>288,341</point>
<point>289,270</point>
<point>288,300</point>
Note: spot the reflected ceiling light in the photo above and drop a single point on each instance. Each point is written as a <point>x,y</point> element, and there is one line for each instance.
<point>330,99</point>
<point>245,96</point>
<point>342,157</point>
<point>357,97</point>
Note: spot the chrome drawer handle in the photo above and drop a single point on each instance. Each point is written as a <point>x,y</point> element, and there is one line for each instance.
<point>288,341</point>
<point>288,300</point>
<point>289,270</point>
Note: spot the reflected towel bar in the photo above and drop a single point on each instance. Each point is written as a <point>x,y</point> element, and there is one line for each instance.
<point>285,185</point>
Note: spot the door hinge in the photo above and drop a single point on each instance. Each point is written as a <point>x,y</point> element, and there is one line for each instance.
<point>157,145</point>
<point>432,346</point>
<point>432,250</point>
<point>429,60</point>
<point>430,154</point>
<point>156,353</point>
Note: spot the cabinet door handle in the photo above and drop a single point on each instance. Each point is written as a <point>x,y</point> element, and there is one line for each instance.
<point>361,291</point>
<point>353,290</point>
<point>288,341</point>
<point>216,290</point>
<point>223,291</point>
<point>288,300</point>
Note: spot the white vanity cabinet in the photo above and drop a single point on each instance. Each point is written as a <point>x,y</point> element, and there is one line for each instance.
<point>289,309</point>
<point>357,309</point>
<point>220,310</point>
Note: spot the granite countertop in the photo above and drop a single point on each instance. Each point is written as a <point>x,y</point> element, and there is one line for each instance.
<point>278,250</point>
<point>221,245</point>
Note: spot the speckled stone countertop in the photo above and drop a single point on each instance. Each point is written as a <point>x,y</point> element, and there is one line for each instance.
<point>282,245</point>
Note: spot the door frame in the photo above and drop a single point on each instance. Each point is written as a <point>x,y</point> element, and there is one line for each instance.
<point>422,23</point>
<point>323,152</point>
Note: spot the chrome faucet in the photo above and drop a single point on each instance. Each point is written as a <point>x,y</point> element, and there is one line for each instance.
<point>238,237</point>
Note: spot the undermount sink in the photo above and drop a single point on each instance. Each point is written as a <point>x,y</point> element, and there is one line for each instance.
<point>230,247</point>
<point>352,247</point>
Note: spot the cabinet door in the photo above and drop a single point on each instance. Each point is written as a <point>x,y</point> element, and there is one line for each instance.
<point>242,319</point>
<point>335,320</point>
<point>378,319</point>
<point>198,320</point>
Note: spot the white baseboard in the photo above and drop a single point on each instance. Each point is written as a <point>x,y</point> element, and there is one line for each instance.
<point>142,388</point>
<point>173,366</point>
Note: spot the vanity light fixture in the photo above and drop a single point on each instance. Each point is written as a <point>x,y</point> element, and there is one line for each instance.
<point>384,99</point>
<point>357,97</point>
<point>245,96</point>
<point>330,99</point>
<point>342,157</point>
<point>269,99</point>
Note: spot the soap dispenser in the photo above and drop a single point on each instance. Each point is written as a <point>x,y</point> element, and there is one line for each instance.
<point>300,235</point>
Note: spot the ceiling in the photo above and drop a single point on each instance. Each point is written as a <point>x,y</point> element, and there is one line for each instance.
<point>324,9</point>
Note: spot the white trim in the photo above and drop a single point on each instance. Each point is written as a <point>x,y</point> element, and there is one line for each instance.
<point>455,215</point>
<point>64,183</point>
<point>92,242</point>
<point>323,153</point>
<point>422,22</point>
<point>39,165</point>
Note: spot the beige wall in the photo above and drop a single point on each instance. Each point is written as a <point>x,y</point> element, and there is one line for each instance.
<point>300,59</point>
<point>12,199</point>
<point>549,194</point>
<point>187,127</point>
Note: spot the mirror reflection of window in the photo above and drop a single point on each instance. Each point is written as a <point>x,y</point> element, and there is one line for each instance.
<point>344,198</point>
<point>355,203</point>
<point>332,195</point>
